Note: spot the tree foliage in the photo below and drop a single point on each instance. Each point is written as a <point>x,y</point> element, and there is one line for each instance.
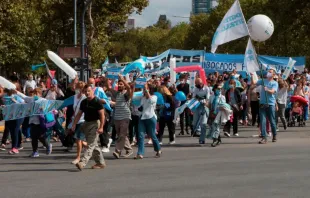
<point>28,28</point>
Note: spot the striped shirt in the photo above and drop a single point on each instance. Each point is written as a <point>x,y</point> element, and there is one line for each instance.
<point>122,106</point>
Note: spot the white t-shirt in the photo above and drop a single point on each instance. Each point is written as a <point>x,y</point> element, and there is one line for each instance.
<point>29,83</point>
<point>282,96</point>
<point>149,106</point>
<point>76,107</point>
<point>204,92</point>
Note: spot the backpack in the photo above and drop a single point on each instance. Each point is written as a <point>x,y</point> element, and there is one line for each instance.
<point>47,120</point>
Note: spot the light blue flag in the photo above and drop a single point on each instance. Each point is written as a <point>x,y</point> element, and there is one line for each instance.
<point>104,65</point>
<point>136,65</point>
<point>140,82</point>
<point>101,95</point>
<point>113,73</point>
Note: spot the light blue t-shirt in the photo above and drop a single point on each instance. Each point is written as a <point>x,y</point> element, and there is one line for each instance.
<point>271,98</point>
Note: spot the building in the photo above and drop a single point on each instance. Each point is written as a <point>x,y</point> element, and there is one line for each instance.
<point>130,24</point>
<point>203,6</point>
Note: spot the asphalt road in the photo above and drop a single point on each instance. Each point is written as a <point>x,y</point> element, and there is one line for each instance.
<point>238,168</point>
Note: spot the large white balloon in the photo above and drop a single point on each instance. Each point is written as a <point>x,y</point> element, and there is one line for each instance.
<point>6,84</point>
<point>173,65</point>
<point>260,27</point>
<point>62,64</point>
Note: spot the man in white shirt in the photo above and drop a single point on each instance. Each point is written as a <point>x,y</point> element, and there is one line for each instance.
<point>29,83</point>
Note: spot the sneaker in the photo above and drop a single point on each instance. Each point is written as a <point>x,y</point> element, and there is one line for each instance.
<point>269,134</point>
<point>201,142</point>
<point>138,157</point>
<point>34,154</point>
<point>158,154</point>
<point>227,134</point>
<point>2,147</point>
<point>105,150</point>
<point>28,140</point>
<point>277,129</point>
<point>20,148</point>
<point>172,142</point>
<point>49,150</point>
<point>160,143</point>
<point>274,138</point>
<point>98,166</point>
<point>79,166</point>
<point>116,154</point>
<point>13,151</point>
<point>109,144</point>
<point>75,161</point>
<point>128,154</point>
<point>236,135</point>
<point>150,142</point>
<point>263,141</point>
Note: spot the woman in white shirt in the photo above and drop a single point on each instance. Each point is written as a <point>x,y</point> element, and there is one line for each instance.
<point>78,134</point>
<point>281,102</point>
<point>148,122</point>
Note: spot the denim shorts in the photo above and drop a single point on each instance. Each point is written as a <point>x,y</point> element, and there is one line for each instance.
<point>78,134</point>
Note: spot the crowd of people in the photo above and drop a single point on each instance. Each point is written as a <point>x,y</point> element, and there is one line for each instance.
<point>103,113</point>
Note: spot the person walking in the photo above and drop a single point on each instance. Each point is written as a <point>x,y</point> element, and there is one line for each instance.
<point>281,102</point>
<point>92,127</point>
<point>233,98</point>
<point>166,115</point>
<point>267,105</point>
<point>122,116</point>
<point>148,122</point>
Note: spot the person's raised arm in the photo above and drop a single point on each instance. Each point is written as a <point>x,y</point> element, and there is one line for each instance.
<point>146,91</point>
<point>127,86</point>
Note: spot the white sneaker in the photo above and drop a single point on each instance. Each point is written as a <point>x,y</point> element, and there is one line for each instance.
<point>227,134</point>
<point>160,143</point>
<point>236,134</point>
<point>105,150</point>
<point>109,144</point>
<point>269,134</point>
<point>150,142</point>
<point>173,142</point>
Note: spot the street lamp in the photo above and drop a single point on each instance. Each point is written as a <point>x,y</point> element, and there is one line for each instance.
<point>85,4</point>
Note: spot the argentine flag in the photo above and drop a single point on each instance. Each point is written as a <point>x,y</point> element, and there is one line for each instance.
<point>113,73</point>
<point>193,104</point>
<point>140,82</point>
<point>136,65</point>
<point>104,65</point>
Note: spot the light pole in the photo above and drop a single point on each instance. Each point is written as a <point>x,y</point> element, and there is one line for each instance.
<point>85,4</point>
<point>75,33</point>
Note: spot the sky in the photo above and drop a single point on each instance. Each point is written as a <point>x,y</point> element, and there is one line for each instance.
<point>170,8</point>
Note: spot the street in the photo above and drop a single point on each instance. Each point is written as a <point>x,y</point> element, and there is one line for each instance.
<point>238,168</point>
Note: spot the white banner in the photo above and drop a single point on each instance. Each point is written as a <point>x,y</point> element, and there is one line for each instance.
<point>250,58</point>
<point>288,69</point>
<point>232,27</point>
<point>192,77</point>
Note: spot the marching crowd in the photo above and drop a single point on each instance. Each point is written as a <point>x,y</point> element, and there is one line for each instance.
<point>103,113</point>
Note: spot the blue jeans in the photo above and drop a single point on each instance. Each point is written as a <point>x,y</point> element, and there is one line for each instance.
<point>306,112</point>
<point>26,128</point>
<point>270,113</point>
<point>147,126</point>
<point>200,120</point>
<point>14,127</point>
<point>214,131</point>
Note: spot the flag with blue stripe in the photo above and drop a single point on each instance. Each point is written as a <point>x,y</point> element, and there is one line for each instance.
<point>193,104</point>
<point>113,73</point>
<point>138,65</point>
<point>140,82</point>
<point>104,65</point>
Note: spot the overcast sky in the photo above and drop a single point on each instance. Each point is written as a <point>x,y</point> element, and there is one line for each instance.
<point>168,7</point>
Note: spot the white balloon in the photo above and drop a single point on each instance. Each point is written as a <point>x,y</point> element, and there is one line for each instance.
<point>173,65</point>
<point>260,27</point>
<point>6,84</point>
<point>62,64</point>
